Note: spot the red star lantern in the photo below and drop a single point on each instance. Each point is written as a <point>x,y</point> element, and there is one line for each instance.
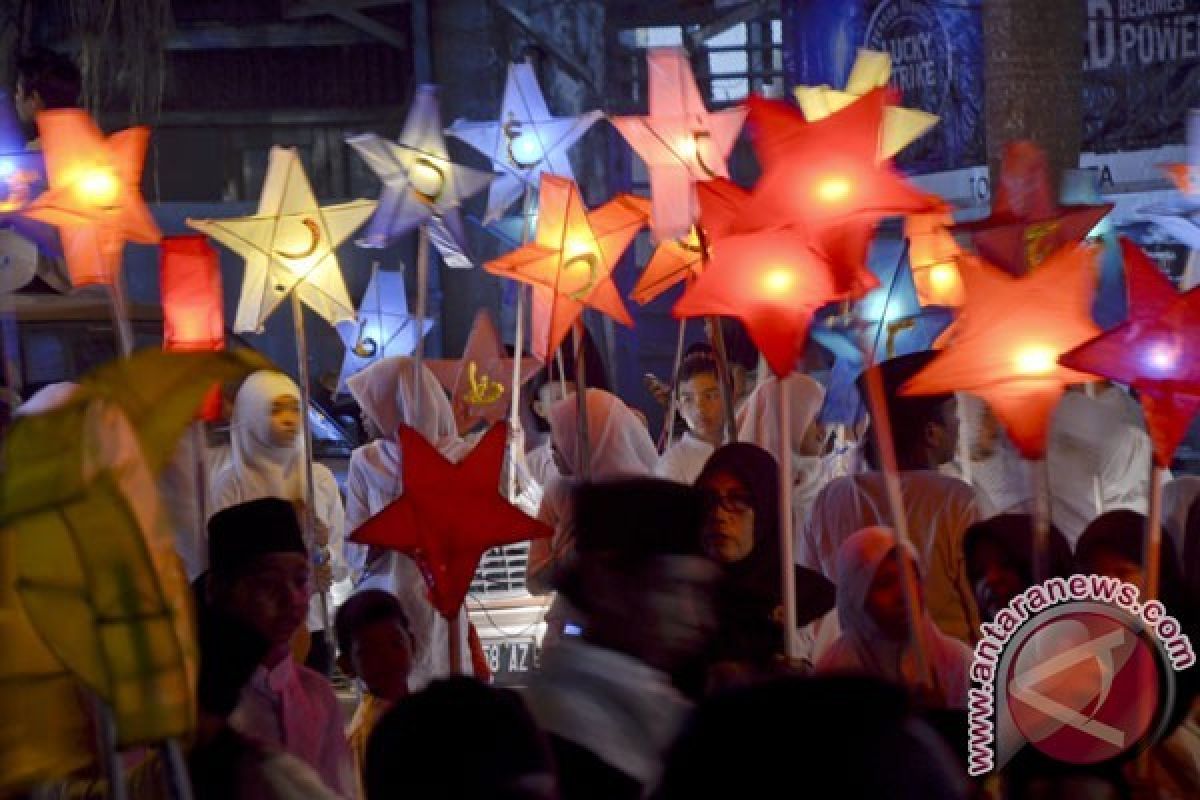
<point>1008,338</point>
<point>449,515</point>
<point>478,382</point>
<point>570,262</point>
<point>94,199</point>
<point>1156,351</point>
<point>772,281</point>
<point>818,174</point>
<point>1027,223</point>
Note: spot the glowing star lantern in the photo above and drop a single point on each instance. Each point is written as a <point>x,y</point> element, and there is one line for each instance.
<point>823,173</point>
<point>289,244</point>
<point>1155,351</point>
<point>384,328</point>
<point>570,261</point>
<point>933,255</point>
<point>680,141</point>
<point>772,281</point>
<point>525,142</point>
<point>1027,223</point>
<point>449,515</point>
<point>894,322</point>
<point>192,303</point>
<point>421,185</point>
<point>1009,336</point>
<point>93,197</point>
<point>871,70</point>
<point>478,382</point>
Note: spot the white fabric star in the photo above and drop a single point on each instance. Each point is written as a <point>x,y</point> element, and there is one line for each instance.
<point>384,327</point>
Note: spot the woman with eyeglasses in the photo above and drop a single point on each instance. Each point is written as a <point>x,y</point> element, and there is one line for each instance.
<point>740,484</point>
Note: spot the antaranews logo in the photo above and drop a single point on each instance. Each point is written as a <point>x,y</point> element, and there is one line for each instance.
<point>1079,668</point>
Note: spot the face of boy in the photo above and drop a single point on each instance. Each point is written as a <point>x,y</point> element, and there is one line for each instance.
<point>382,657</point>
<point>701,407</point>
<point>273,596</point>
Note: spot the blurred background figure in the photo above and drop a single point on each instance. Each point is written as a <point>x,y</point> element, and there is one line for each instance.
<point>999,558</point>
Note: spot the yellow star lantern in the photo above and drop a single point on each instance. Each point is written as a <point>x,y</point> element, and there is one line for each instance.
<point>871,70</point>
<point>94,197</point>
<point>289,244</point>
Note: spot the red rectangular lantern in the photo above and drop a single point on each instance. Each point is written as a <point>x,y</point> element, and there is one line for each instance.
<point>192,302</point>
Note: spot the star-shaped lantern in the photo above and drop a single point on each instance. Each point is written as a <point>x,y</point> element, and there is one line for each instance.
<point>1155,351</point>
<point>570,261</point>
<point>680,141</point>
<point>1008,338</point>
<point>1027,223</point>
<point>478,382</point>
<point>933,256</point>
<point>894,321</point>
<point>94,196</point>
<point>871,70</point>
<point>384,328</point>
<point>823,173</point>
<point>289,244</point>
<point>421,185</point>
<point>449,515</point>
<point>525,142</point>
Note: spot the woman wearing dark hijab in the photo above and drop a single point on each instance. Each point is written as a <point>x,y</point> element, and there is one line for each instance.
<point>740,482</point>
<point>1114,543</point>
<point>999,560</point>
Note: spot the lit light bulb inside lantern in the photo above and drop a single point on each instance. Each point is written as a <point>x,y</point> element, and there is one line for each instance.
<point>686,147</point>
<point>98,186</point>
<point>426,179</point>
<point>525,150</point>
<point>1035,361</point>
<point>833,189</point>
<point>779,280</point>
<point>943,278</point>
<point>7,167</point>
<point>1162,357</point>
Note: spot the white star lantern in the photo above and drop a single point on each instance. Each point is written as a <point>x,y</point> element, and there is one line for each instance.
<point>384,327</point>
<point>289,244</point>
<point>525,142</point>
<point>680,141</point>
<point>421,185</point>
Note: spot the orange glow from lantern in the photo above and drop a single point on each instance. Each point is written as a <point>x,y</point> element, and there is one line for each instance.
<point>778,281</point>
<point>98,186</point>
<point>193,312</point>
<point>833,189</point>
<point>943,278</point>
<point>1035,361</point>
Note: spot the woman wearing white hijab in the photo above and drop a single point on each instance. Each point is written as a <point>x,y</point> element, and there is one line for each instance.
<point>386,391</point>
<point>267,460</point>
<point>875,636</point>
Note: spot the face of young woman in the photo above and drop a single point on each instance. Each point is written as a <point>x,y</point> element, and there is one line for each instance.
<point>729,522</point>
<point>285,420</point>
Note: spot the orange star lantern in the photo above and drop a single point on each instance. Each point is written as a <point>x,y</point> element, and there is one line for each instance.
<point>570,262</point>
<point>932,254</point>
<point>94,197</point>
<point>772,281</point>
<point>193,313</point>
<point>1027,223</point>
<point>449,515</point>
<point>818,174</point>
<point>478,382</point>
<point>1155,351</point>
<point>1007,341</point>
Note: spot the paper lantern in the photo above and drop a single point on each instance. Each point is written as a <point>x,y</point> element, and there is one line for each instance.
<point>192,303</point>
<point>871,70</point>
<point>818,174</point>
<point>478,382</point>
<point>772,281</point>
<point>449,515</point>
<point>21,170</point>
<point>1027,223</point>
<point>525,142</point>
<point>1010,333</point>
<point>680,141</point>
<point>421,185</point>
<point>1156,351</point>
<point>893,320</point>
<point>383,327</point>
<point>933,255</point>
<point>94,196</point>
<point>289,244</point>
<point>570,261</point>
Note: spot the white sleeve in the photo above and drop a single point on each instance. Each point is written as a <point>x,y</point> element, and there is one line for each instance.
<point>357,511</point>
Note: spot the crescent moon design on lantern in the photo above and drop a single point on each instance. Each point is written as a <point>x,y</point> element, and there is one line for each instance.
<point>314,232</point>
<point>588,261</point>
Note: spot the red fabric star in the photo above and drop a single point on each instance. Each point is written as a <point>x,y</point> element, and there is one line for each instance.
<point>1011,331</point>
<point>1026,223</point>
<point>449,515</point>
<point>570,262</point>
<point>1156,351</point>
<point>478,382</point>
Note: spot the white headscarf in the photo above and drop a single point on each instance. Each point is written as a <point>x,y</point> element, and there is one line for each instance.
<point>864,648</point>
<point>618,441</point>
<point>261,467</point>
